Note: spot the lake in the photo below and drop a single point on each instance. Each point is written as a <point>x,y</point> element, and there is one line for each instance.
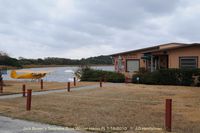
<point>59,74</point>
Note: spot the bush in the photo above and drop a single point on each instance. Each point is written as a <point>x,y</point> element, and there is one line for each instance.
<point>168,77</point>
<point>95,75</point>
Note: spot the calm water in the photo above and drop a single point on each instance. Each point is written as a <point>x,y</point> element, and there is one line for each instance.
<point>59,74</point>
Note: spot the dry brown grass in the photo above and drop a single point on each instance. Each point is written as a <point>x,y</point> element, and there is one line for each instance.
<point>119,106</point>
<point>16,86</point>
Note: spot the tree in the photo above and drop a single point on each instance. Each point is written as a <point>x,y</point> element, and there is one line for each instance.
<point>8,61</point>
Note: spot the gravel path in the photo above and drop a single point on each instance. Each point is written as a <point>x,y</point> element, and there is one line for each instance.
<point>60,90</point>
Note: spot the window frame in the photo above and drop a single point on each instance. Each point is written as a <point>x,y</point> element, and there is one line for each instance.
<point>132,60</point>
<point>189,57</point>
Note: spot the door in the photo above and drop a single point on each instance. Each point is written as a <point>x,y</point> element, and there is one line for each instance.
<point>132,65</point>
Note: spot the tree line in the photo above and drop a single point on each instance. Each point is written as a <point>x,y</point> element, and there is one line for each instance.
<point>6,60</point>
<point>99,60</point>
<point>9,61</point>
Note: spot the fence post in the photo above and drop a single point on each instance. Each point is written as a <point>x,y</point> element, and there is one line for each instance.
<point>41,84</point>
<point>24,90</point>
<point>28,102</point>
<point>100,82</point>
<point>68,86</point>
<point>168,115</point>
<point>74,81</point>
<point>1,86</point>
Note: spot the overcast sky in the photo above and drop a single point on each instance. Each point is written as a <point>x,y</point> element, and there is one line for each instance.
<point>84,28</point>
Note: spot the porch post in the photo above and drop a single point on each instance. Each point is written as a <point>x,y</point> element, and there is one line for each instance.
<point>152,63</point>
<point>156,64</point>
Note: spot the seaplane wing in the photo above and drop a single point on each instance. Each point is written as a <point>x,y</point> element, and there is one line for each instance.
<point>27,74</point>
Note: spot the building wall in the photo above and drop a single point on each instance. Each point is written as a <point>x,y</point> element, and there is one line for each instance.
<point>188,51</point>
<point>125,57</point>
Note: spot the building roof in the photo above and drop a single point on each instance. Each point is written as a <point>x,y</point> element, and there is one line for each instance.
<point>153,48</point>
<point>172,48</point>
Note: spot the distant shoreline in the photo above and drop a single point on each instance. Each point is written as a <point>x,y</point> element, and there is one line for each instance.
<point>44,66</point>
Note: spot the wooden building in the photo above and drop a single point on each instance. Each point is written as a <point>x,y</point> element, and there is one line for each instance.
<point>171,55</point>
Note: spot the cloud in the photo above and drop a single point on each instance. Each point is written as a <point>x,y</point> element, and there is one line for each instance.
<point>78,29</point>
<point>186,25</point>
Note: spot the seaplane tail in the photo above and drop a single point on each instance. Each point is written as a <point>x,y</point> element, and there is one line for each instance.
<point>13,74</point>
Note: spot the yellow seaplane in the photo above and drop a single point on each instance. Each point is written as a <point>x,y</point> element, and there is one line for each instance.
<point>28,74</point>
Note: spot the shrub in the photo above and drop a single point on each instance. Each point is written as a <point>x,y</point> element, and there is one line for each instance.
<point>168,77</point>
<point>95,75</point>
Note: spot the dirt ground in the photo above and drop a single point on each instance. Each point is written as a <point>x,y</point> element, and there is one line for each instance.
<point>136,108</point>
<point>11,87</point>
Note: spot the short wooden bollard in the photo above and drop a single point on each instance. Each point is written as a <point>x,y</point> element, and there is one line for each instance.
<point>1,86</point>
<point>68,86</point>
<point>24,90</point>
<point>41,84</point>
<point>28,102</point>
<point>74,81</point>
<point>100,83</point>
<point>168,115</point>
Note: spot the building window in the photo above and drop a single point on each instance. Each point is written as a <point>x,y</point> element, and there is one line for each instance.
<point>132,65</point>
<point>188,62</point>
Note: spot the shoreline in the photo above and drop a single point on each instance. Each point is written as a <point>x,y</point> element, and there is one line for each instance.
<point>45,66</point>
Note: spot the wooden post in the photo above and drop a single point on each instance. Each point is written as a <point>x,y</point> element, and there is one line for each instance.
<point>24,90</point>
<point>1,84</point>
<point>168,115</point>
<point>100,83</point>
<point>74,81</point>
<point>68,86</point>
<point>152,58</point>
<point>28,102</point>
<point>41,84</point>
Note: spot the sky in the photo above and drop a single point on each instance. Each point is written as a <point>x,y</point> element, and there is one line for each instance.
<point>84,28</point>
